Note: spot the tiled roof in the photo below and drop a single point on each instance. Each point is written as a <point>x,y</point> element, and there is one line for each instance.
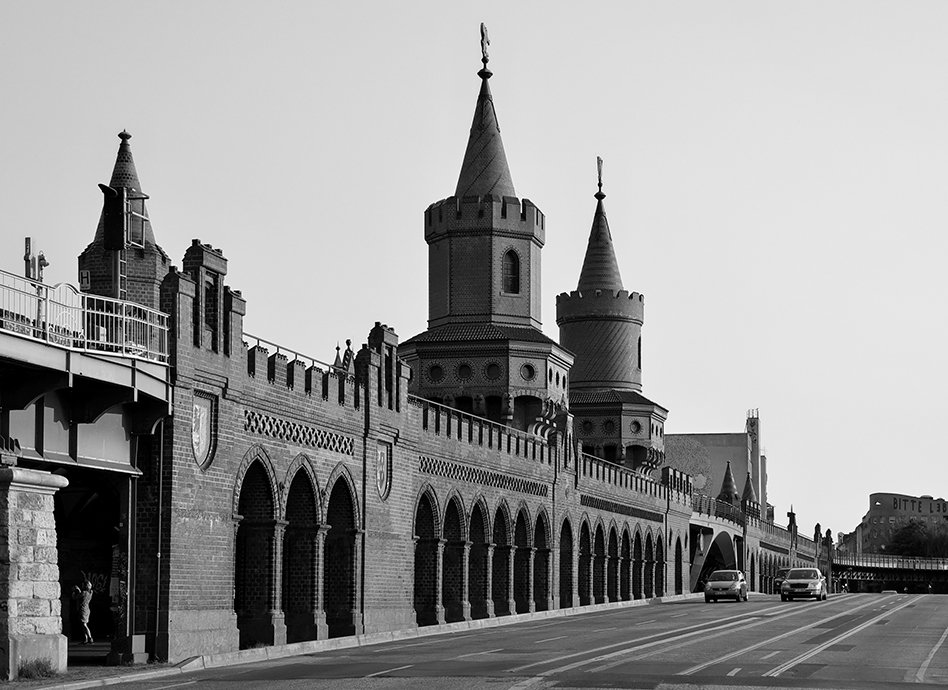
<point>467,332</point>
<point>611,396</point>
<point>485,170</point>
<point>600,268</point>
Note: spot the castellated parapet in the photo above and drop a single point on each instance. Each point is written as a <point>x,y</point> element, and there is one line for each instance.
<point>492,214</point>
<point>620,304</point>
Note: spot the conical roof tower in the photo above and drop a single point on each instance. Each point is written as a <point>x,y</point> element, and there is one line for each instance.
<point>749,494</point>
<point>601,324</point>
<point>135,272</point>
<point>729,487</point>
<point>484,351</point>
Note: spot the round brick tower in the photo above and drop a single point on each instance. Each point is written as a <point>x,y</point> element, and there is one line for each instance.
<point>601,322</point>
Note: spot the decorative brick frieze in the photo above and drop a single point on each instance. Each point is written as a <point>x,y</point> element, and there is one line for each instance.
<point>301,434</point>
<point>477,475</point>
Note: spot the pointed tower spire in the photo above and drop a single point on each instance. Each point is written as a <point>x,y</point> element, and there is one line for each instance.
<point>124,173</point>
<point>600,268</point>
<point>729,487</point>
<point>484,170</point>
<point>749,494</point>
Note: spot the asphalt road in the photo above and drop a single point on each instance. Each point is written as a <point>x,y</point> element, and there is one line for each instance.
<point>851,641</point>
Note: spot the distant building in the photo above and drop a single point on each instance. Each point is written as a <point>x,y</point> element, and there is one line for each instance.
<point>706,458</point>
<point>886,514</point>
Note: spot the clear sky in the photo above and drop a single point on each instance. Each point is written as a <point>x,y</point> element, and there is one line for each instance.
<point>775,171</point>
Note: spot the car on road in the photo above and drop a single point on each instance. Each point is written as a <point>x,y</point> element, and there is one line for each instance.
<point>780,577</point>
<point>803,583</point>
<point>725,584</point>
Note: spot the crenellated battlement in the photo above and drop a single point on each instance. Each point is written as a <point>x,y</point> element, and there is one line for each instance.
<point>618,304</point>
<point>491,212</point>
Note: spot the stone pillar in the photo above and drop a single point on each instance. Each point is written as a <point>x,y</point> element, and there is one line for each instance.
<point>358,623</point>
<point>511,574</point>
<point>490,581</point>
<point>531,602</point>
<point>275,605</point>
<point>574,566</point>
<point>466,581</point>
<point>319,564</point>
<point>30,608</point>
<point>439,581</point>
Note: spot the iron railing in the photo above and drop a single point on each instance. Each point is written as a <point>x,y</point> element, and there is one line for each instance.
<point>61,315</point>
<point>878,560</point>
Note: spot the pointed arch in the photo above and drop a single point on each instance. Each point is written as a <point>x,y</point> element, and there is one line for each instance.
<point>625,570</point>
<point>566,563</point>
<point>300,552</point>
<point>679,567</point>
<point>301,463</point>
<point>340,550</point>
<point>542,562</point>
<point>648,574</point>
<point>637,565</point>
<point>342,473</point>
<point>454,536</point>
<point>501,576</point>
<point>479,571</point>
<point>585,563</point>
<point>612,564</point>
<point>426,529</point>
<point>256,453</point>
<point>659,566</point>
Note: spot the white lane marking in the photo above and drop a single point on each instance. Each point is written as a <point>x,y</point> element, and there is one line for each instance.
<point>604,629</point>
<point>428,642</point>
<point>489,651</point>
<point>770,655</point>
<point>550,639</point>
<point>391,670</point>
<point>728,657</point>
<point>679,615</point>
<point>734,672</point>
<point>651,621</point>
<point>176,685</point>
<point>774,672</point>
<point>920,674</point>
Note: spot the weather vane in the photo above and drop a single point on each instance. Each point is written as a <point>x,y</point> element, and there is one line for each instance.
<point>485,41</point>
<point>599,194</point>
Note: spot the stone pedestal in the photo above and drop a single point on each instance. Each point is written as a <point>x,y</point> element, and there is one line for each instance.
<point>30,609</point>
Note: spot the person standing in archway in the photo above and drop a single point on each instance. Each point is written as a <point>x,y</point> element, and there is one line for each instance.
<point>83,598</point>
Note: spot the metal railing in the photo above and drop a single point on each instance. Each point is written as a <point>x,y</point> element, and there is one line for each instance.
<point>878,560</point>
<point>61,315</point>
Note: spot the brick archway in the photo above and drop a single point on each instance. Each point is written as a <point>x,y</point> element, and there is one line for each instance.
<point>339,571</point>
<point>612,566</point>
<point>427,599</point>
<point>501,565</point>
<point>522,562</point>
<point>478,563</point>
<point>301,563</point>
<point>541,564</point>
<point>679,567</point>
<point>452,569</point>
<point>255,556</point>
<point>659,567</point>
<point>637,565</point>
<point>585,565</point>
<point>648,579</point>
<point>599,566</point>
<point>566,565</point>
<point>625,569</point>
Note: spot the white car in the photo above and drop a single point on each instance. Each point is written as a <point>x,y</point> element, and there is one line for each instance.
<point>803,583</point>
<point>726,584</point>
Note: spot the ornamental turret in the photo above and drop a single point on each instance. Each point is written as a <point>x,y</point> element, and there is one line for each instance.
<point>484,351</point>
<point>601,324</point>
<point>123,260</point>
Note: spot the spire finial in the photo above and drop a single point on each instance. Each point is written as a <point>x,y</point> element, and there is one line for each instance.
<point>124,136</point>
<point>485,58</point>
<point>599,194</point>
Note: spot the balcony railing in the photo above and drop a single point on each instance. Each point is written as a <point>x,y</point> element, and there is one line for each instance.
<point>62,316</point>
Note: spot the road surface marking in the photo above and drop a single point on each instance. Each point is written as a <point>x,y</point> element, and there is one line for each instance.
<point>550,639</point>
<point>763,643</point>
<point>920,674</point>
<point>489,651</point>
<point>388,648</point>
<point>679,615</point>
<point>391,670</point>
<point>604,629</point>
<point>774,672</point>
<point>734,672</point>
<point>176,685</point>
<point>770,655</point>
<point>648,621</point>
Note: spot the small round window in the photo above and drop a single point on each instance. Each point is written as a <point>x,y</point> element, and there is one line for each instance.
<point>493,371</point>
<point>527,371</point>
<point>587,427</point>
<point>636,427</point>
<point>465,372</point>
<point>608,426</point>
<point>435,372</point>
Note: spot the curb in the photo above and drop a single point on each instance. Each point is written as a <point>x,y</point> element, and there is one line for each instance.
<point>247,656</point>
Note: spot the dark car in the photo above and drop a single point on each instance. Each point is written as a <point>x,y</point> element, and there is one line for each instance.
<point>726,584</point>
<point>803,583</point>
<point>780,577</point>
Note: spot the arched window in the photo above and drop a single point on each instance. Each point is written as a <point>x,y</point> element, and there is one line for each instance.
<point>511,273</point>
